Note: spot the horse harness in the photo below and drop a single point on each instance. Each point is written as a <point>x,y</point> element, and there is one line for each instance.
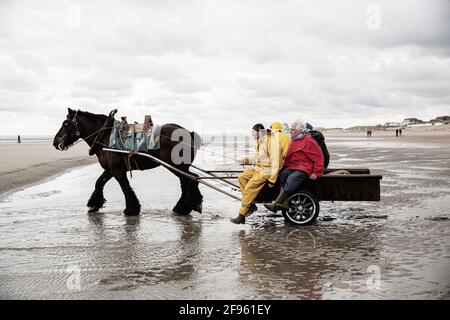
<point>99,133</point>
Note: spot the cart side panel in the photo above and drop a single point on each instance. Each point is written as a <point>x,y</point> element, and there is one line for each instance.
<point>349,170</point>
<point>346,188</point>
<point>359,187</point>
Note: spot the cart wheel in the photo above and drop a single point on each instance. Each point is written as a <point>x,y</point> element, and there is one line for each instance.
<point>303,208</point>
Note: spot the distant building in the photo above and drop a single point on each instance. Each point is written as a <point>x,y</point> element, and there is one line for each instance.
<point>356,128</point>
<point>410,121</point>
<point>392,124</point>
<point>443,119</point>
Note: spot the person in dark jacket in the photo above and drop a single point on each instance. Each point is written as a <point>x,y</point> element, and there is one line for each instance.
<point>320,139</point>
<point>304,160</point>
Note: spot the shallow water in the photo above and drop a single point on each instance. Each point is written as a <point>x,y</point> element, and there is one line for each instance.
<point>397,248</point>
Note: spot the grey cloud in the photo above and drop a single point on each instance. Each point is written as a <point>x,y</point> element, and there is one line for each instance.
<point>231,62</point>
<point>419,23</point>
<point>186,86</point>
<point>104,86</point>
<point>15,79</point>
<point>266,88</point>
<point>17,101</point>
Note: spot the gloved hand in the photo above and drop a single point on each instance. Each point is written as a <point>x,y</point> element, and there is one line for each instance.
<point>313,177</point>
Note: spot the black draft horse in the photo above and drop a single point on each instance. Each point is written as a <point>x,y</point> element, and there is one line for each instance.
<point>95,129</point>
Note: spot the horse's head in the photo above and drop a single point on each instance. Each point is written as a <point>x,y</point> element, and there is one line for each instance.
<point>69,132</point>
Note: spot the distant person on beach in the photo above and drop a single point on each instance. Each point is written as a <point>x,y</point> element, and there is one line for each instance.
<point>266,166</point>
<point>304,160</point>
<point>396,132</point>
<point>18,139</point>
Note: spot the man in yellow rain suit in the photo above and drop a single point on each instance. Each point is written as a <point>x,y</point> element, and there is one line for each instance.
<point>267,164</point>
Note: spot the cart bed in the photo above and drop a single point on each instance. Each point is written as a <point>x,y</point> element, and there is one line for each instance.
<point>360,185</point>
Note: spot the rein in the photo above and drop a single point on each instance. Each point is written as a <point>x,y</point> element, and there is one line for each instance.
<point>87,137</point>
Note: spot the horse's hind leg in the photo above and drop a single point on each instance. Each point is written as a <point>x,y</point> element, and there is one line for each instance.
<point>182,206</point>
<point>194,195</point>
<point>96,201</point>
<point>191,198</point>
<point>133,207</point>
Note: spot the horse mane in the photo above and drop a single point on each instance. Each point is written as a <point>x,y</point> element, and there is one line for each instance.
<point>91,115</point>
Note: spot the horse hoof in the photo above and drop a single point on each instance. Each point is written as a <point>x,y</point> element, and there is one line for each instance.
<point>93,209</point>
<point>199,208</point>
<point>130,213</point>
<point>179,212</point>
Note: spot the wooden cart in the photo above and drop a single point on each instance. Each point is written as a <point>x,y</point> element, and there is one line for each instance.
<point>304,208</point>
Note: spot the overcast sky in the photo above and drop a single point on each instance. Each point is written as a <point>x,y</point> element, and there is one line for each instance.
<point>221,66</point>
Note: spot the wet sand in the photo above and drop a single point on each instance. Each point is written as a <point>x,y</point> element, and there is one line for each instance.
<point>429,134</point>
<point>398,248</point>
<point>30,162</point>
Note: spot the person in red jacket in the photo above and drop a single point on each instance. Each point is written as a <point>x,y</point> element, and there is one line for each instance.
<point>304,160</point>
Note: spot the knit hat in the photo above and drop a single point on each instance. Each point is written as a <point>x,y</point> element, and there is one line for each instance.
<point>258,126</point>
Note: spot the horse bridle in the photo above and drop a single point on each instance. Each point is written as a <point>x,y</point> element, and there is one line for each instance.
<point>75,123</point>
<point>98,134</point>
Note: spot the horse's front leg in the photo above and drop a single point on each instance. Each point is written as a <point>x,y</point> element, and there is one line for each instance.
<point>133,207</point>
<point>97,200</point>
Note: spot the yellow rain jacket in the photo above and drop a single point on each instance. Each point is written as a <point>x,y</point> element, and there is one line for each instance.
<point>269,157</point>
<point>283,138</point>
